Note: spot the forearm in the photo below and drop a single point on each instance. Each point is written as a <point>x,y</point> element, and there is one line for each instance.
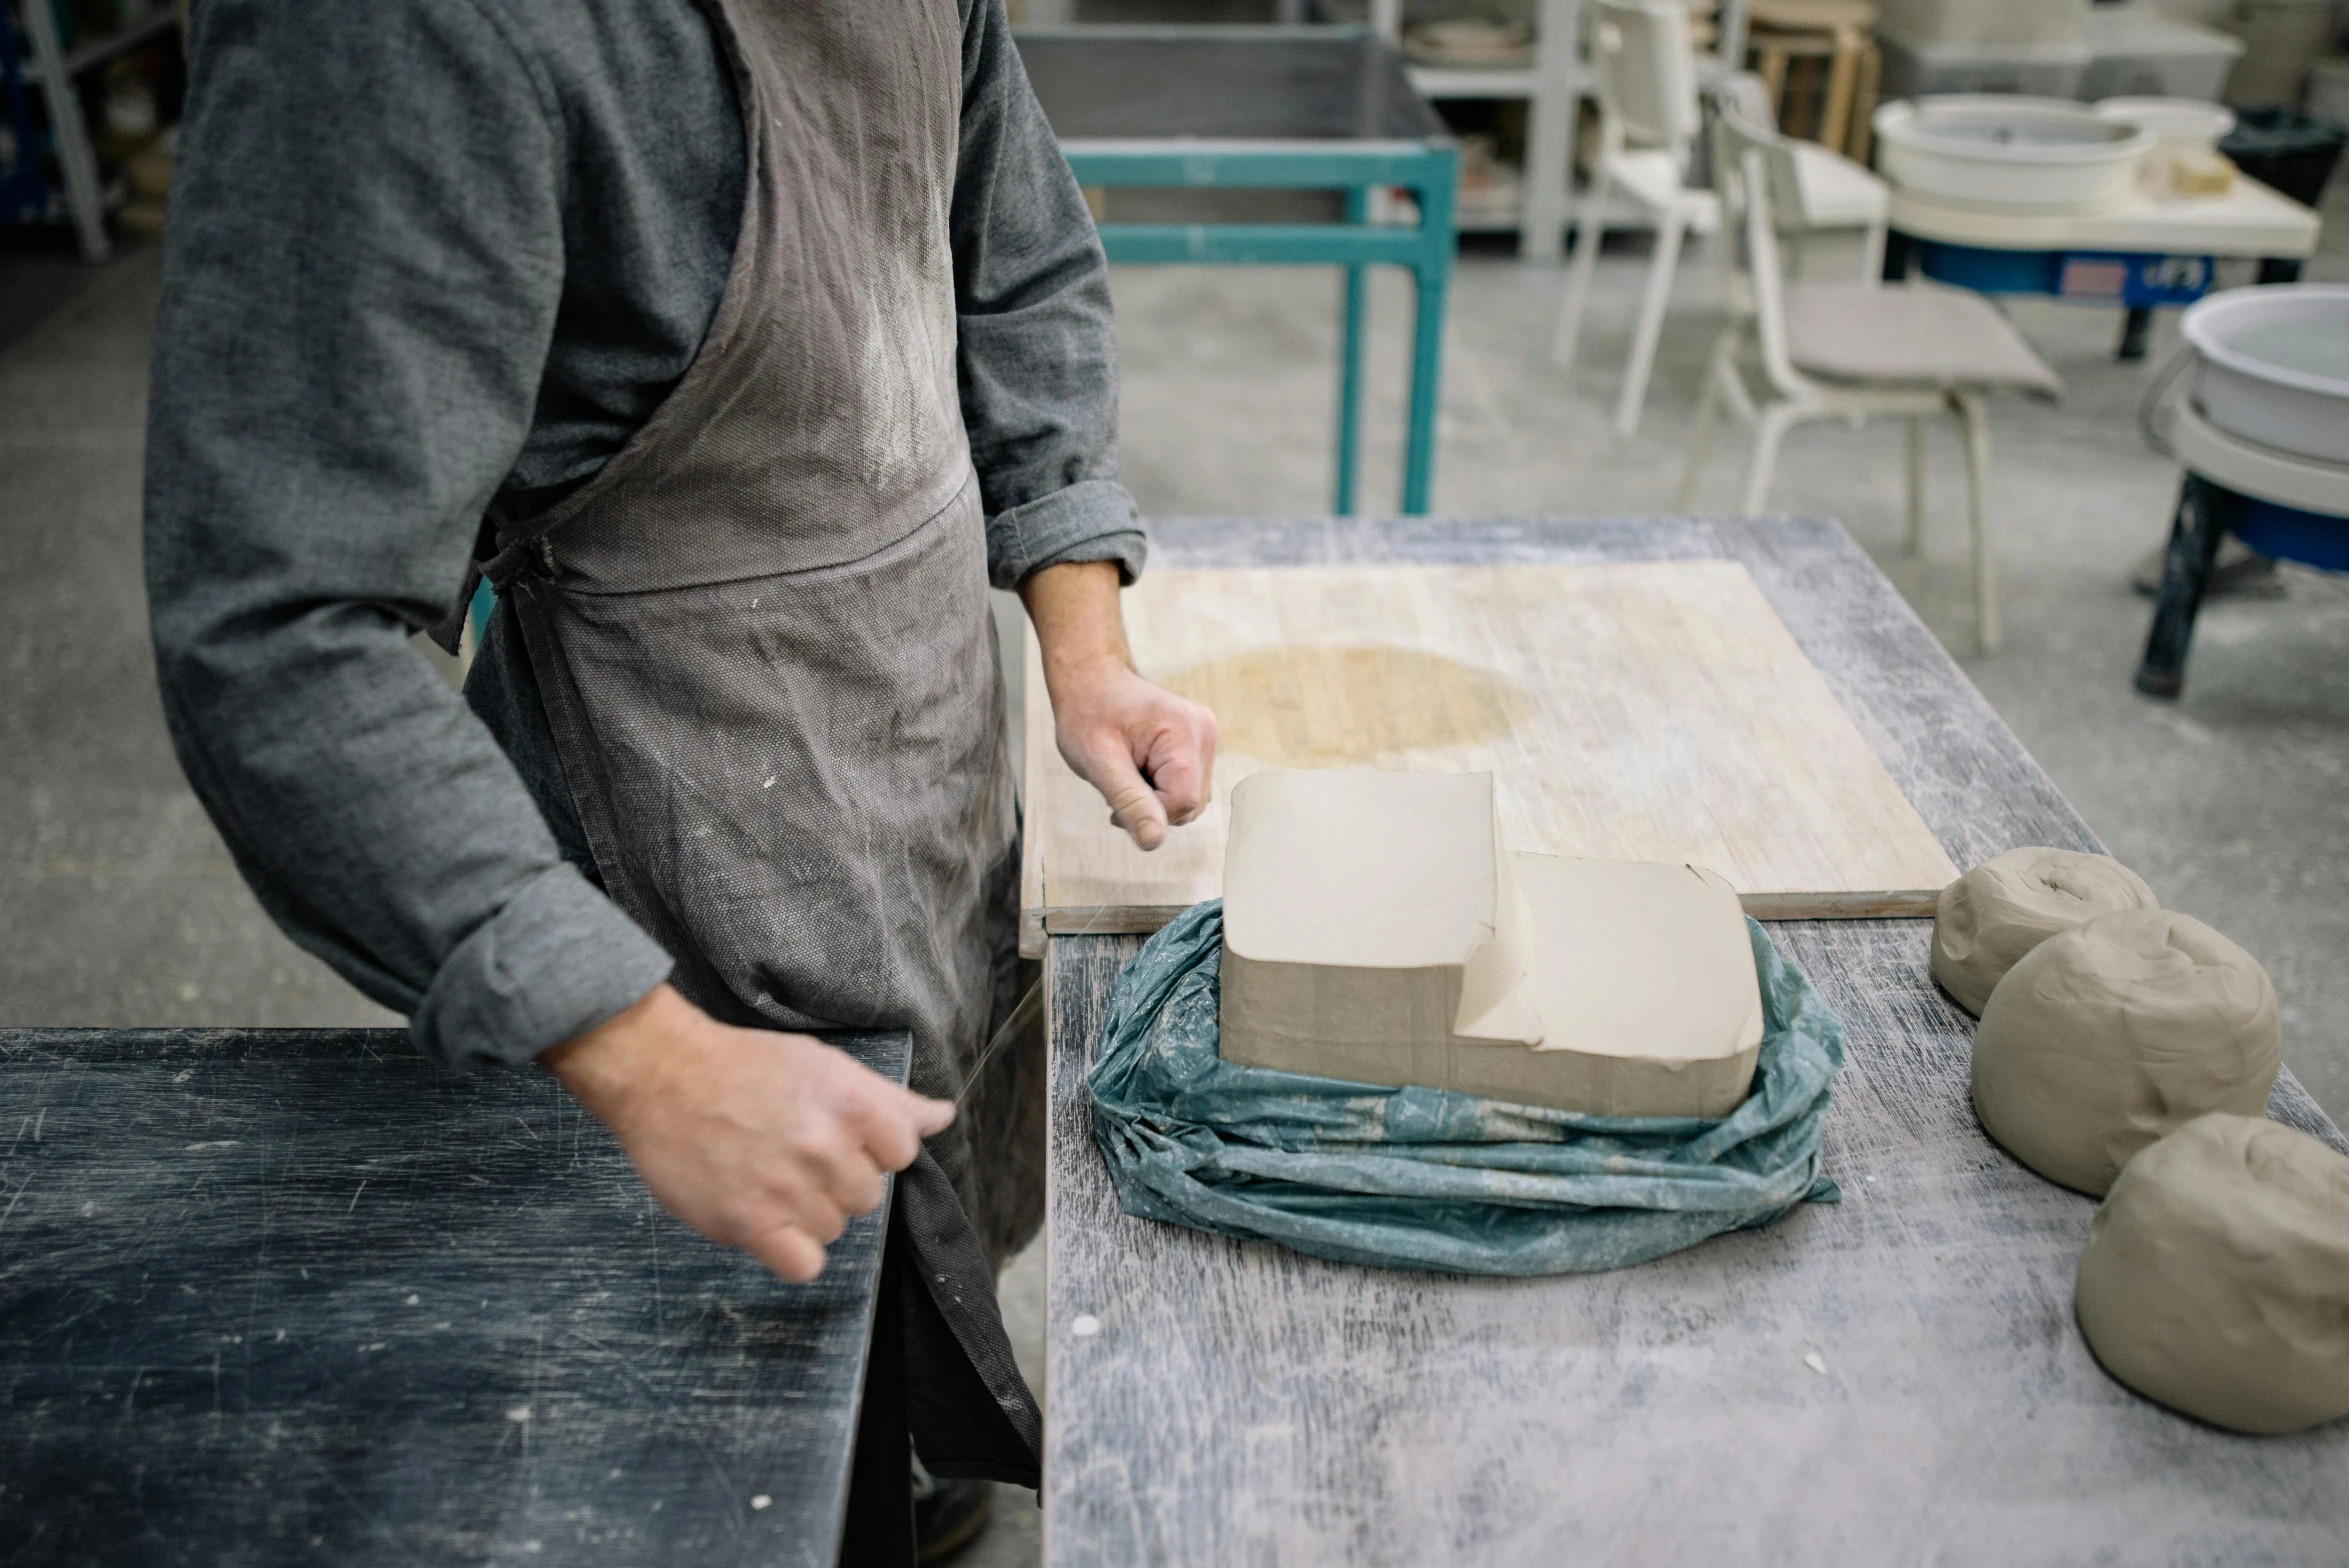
<point>385,833</point>
<point>1080,629</point>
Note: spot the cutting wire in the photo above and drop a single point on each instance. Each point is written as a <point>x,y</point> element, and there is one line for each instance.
<point>1023,1012</point>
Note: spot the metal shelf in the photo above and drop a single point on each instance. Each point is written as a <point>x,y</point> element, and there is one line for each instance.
<point>159,20</point>
<point>1473,81</point>
<point>52,69</point>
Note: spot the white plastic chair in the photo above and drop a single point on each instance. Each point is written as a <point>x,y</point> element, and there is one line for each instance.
<point>1649,117</point>
<point>1849,350</point>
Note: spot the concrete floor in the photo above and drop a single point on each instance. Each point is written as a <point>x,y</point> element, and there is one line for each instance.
<point>118,904</point>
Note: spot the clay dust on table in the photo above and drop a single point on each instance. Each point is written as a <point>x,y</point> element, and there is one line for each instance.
<point>1314,706</point>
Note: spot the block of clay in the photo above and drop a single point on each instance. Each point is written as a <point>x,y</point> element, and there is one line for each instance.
<point>2006,906</point>
<point>1643,977</point>
<point>2216,1278</point>
<point>2117,1032</point>
<point>1375,931</point>
<point>1369,919</point>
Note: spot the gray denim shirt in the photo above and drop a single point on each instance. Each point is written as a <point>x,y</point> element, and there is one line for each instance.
<point>434,254</point>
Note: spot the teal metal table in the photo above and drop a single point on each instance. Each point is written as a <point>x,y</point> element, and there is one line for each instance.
<point>1271,108</point>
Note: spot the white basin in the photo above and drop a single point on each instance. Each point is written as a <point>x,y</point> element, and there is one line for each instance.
<point>2010,152</point>
<point>2175,122</point>
<point>2275,366</point>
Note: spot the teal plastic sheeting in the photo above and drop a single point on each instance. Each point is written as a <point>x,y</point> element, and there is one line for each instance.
<point>1429,1179</point>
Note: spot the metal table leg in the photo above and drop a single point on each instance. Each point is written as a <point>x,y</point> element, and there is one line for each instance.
<point>2205,512</point>
<point>2136,326</point>
<point>1433,276</point>
<point>1350,323</point>
<point>1899,251</point>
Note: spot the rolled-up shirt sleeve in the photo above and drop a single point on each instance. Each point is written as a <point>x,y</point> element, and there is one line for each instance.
<point>1038,352</point>
<point>363,271</point>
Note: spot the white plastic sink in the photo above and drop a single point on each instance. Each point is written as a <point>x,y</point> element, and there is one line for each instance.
<point>1998,150</point>
<point>2275,366</point>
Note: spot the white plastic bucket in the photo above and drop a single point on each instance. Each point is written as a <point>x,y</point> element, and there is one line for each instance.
<point>2184,130</point>
<point>2187,124</point>
<point>2014,153</point>
<point>2275,366</point>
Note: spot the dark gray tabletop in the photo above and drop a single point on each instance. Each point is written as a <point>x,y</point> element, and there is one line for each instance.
<point>1317,84</point>
<point>275,1296</point>
<point>1893,1379</point>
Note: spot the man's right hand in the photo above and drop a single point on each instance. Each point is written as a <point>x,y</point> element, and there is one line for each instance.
<point>759,1140</point>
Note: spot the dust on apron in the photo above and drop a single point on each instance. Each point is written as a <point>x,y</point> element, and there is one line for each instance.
<point>763,639</point>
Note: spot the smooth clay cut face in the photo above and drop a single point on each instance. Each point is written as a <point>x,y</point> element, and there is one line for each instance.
<point>1376,932</point>
<point>2109,1036</point>
<point>2216,1278</point>
<point>1994,914</point>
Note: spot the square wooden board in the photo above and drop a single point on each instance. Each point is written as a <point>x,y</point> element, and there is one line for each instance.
<point>1628,711</point>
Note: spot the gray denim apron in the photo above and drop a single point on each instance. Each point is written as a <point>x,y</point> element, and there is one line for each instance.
<point>762,636</point>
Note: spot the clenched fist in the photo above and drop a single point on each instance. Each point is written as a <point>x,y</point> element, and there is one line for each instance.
<point>1150,753</point>
<point>763,1141</point>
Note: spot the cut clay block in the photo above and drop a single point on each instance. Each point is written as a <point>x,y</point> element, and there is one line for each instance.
<point>1643,977</point>
<point>1376,931</point>
<point>1369,919</point>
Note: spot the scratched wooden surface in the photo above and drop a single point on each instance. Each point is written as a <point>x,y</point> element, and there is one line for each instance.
<point>1627,710</point>
<point>1243,1405</point>
<point>276,1296</point>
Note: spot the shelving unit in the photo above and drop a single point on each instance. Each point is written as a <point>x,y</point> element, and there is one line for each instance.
<point>1552,88</point>
<point>158,20</point>
<point>53,69</point>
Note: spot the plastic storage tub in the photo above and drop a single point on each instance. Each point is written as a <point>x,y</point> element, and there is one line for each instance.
<point>2274,366</point>
<point>2001,22</point>
<point>2142,54</point>
<point>2017,154</point>
<point>1934,70</point>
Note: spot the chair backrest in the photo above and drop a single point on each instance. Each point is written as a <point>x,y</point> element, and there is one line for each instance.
<point>1646,69</point>
<point>1742,124</point>
<point>1730,28</point>
<point>1754,172</point>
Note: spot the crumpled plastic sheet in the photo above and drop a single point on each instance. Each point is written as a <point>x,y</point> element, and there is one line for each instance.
<point>1426,1178</point>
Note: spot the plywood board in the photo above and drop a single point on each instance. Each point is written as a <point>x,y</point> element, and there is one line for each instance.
<point>1634,711</point>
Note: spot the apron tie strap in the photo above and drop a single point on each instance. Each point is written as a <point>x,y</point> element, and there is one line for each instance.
<point>498,568</point>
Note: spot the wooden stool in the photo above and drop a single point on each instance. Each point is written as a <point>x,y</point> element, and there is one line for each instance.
<point>1838,32</point>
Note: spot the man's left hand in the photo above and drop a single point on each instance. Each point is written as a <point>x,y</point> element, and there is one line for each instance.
<point>1149,752</point>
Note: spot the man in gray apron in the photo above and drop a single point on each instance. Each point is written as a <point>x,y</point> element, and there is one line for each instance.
<point>764,334</point>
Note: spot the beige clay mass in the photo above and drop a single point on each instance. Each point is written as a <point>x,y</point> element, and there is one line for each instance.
<point>2119,1031</point>
<point>2216,1278</point>
<point>1990,917</point>
<point>1376,930</point>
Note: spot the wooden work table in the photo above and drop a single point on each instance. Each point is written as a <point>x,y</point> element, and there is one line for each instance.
<point>280,1296</point>
<point>1896,1378</point>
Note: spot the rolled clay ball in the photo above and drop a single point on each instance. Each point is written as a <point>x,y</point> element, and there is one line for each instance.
<point>2216,1278</point>
<point>1989,918</point>
<point>2117,1032</point>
